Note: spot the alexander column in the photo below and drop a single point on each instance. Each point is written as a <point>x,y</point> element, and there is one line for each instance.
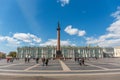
<point>58,51</point>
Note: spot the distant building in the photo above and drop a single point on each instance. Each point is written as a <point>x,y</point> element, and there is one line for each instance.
<point>108,52</point>
<point>67,52</point>
<point>117,51</point>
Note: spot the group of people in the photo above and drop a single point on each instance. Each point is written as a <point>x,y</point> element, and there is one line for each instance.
<point>27,59</point>
<point>44,60</point>
<point>81,61</point>
<point>10,60</point>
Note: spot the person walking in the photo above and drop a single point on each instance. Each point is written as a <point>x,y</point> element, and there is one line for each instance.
<point>83,61</point>
<point>43,61</point>
<point>28,60</point>
<point>37,60</point>
<point>80,61</point>
<point>25,59</point>
<point>8,59</point>
<point>47,60</point>
<point>29,57</point>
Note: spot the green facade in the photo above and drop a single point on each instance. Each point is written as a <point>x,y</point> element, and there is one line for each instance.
<point>67,52</point>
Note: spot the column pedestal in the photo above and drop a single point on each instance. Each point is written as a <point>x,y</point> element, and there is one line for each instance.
<point>59,55</point>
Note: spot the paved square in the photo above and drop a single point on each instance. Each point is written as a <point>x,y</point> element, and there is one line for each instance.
<point>56,65</point>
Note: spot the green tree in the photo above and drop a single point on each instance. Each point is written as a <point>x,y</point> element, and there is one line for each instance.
<point>2,55</point>
<point>12,53</point>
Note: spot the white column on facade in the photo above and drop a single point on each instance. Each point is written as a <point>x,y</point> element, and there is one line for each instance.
<point>86,53</point>
<point>55,52</point>
<point>99,53</point>
<point>21,53</point>
<point>26,51</point>
<point>93,53</point>
<point>52,52</point>
<point>79,52</point>
<point>36,52</point>
<point>83,53</point>
<point>42,52</point>
<point>68,52</point>
<point>73,53</point>
<point>63,52</point>
<point>89,55</point>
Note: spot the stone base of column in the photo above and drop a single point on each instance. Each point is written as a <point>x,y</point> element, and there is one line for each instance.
<point>59,54</point>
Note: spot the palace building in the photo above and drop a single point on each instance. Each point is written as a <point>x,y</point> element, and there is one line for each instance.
<point>66,51</point>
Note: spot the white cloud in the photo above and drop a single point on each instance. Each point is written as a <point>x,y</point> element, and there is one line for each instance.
<point>35,38</point>
<point>22,36</point>
<point>32,44</point>
<point>74,31</point>
<point>53,42</point>
<point>18,39</point>
<point>9,40</point>
<point>63,2</point>
<point>81,33</point>
<point>10,43</point>
<point>70,30</point>
<point>2,38</point>
<point>27,37</point>
<point>114,27</point>
<point>116,14</point>
<point>112,37</point>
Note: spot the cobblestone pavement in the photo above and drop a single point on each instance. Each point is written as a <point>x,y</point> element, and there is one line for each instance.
<point>60,70</point>
<point>55,65</point>
<point>81,77</point>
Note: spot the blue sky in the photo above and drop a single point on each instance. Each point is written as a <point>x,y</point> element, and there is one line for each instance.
<point>82,22</point>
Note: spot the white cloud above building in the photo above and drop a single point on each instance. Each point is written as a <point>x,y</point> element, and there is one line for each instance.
<point>27,37</point>
<point>53,42</point>
<point>9,40</point>
<point>74,31</point>
<point>18,39</point>
<point>112,36</point>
